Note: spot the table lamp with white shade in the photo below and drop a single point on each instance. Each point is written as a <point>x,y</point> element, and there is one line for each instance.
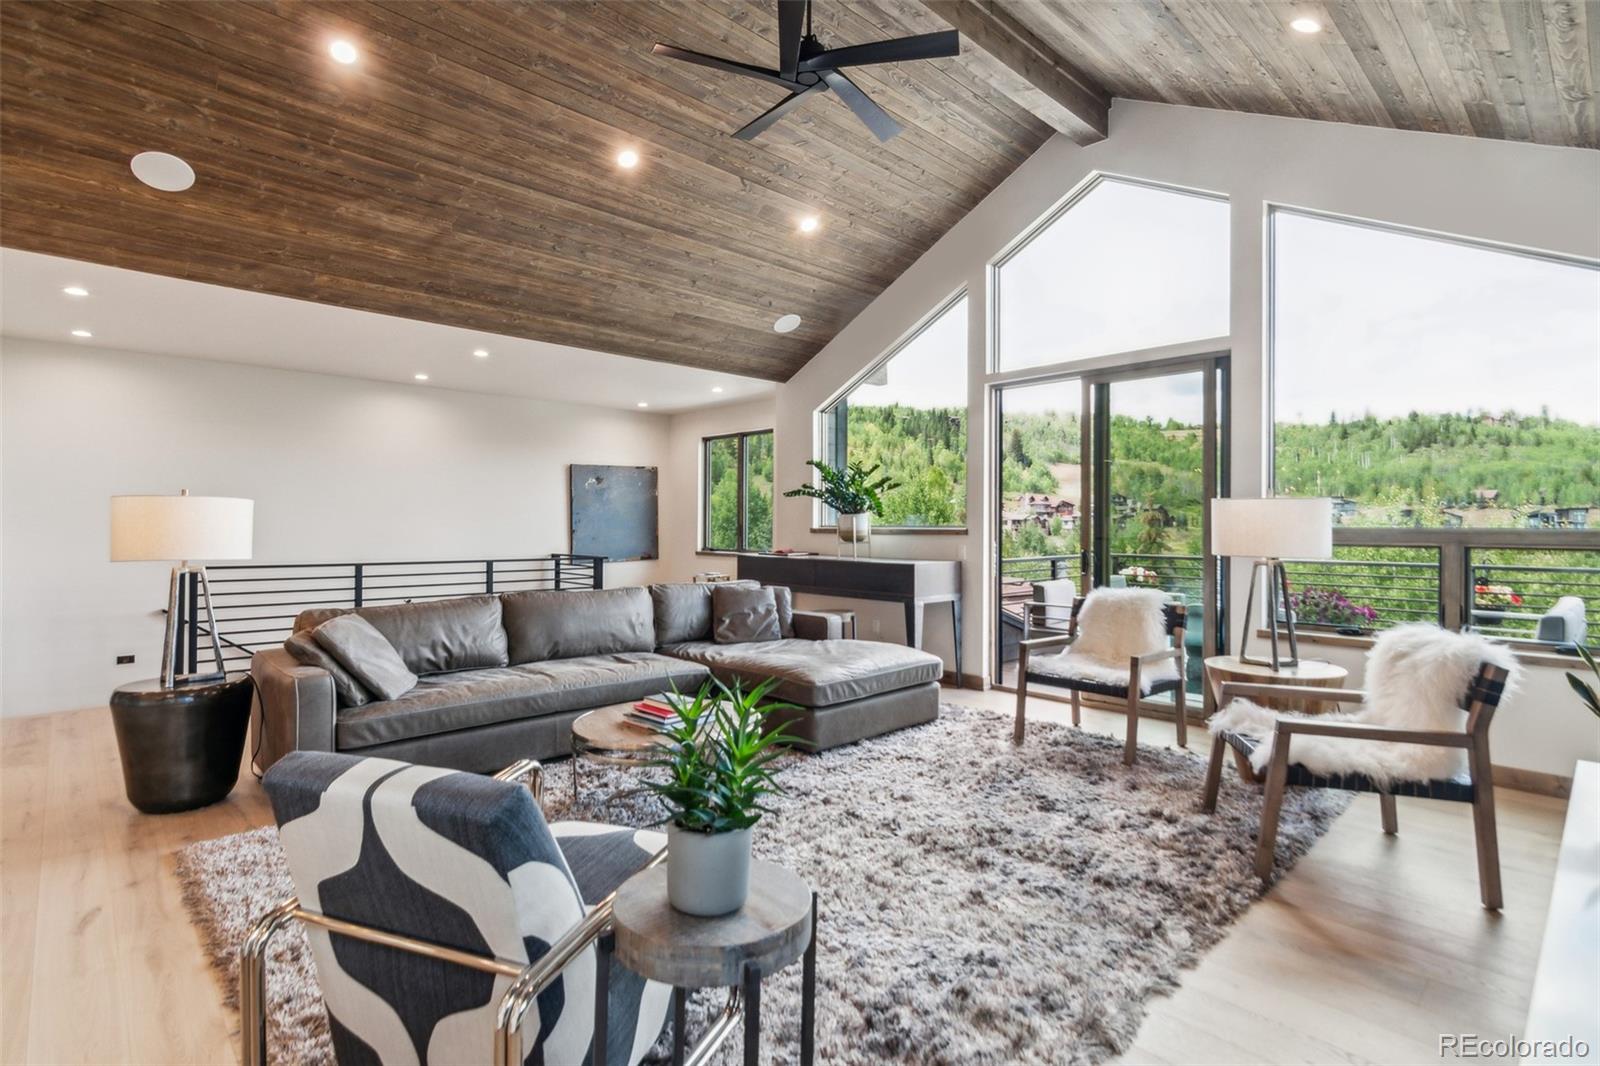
<point>182,529</point>
<point>1270,531</point>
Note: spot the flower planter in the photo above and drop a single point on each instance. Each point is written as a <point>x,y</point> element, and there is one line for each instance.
<point>708,874</point>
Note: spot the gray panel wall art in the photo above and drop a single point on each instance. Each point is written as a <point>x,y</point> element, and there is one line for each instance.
<point>614,511</point>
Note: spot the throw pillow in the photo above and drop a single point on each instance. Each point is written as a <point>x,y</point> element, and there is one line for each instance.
<point>307,652</point>
<point>367,654</point>
<point>741,614</point>
<point>785,601</point>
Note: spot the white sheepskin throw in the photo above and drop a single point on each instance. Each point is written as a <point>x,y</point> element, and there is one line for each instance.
<point>1417,677</point>
<point>1115,625</point>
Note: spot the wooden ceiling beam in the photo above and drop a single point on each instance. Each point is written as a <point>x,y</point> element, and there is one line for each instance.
<point>1028,71</point>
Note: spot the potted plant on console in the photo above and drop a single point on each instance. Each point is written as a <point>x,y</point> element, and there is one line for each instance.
<point>853,492</point>
<point>717,757</point>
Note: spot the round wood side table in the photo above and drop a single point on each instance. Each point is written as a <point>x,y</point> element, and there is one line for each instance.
<point>181,747</point>
<point>776,926</point>
<point>1312,672</point>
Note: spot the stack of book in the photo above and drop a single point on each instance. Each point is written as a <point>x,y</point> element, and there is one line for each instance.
<point>657,712</point>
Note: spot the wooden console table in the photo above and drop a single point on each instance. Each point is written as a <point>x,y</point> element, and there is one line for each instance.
<point>912,583</point>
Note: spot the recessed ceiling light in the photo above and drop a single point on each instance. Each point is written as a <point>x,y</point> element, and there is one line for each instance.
<point>343,52</point>
<point>75,290</point>
<point>627,159</point>
<point>162,170</point>
<point>809,224</point>
<point>787,324</point>
<point>481,353</point>
<point>642,403</point>
<point>420,377</point>
<point>716,388</point>
<point>1305,25</point>
<point>81,333</point>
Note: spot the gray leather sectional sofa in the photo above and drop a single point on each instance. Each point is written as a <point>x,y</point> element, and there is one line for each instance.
<point>503,676</point>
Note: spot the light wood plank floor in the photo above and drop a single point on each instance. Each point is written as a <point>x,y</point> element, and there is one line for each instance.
<point>1366,952</point>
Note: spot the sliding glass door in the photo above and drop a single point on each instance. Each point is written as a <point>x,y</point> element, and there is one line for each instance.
<point>1104,481</point>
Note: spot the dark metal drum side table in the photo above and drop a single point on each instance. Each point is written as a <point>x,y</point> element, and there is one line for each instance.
<point>776,926</point>
<point>181,747</point>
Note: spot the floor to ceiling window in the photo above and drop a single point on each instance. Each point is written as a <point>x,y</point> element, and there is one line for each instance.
<point>1109,439</point>
<point>907,416</point>
<point>1446,395</point>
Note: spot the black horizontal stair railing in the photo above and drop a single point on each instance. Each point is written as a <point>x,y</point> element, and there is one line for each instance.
<point>256,604</point>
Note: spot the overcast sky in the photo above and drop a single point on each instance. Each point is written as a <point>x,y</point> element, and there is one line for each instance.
<point>1365,319</point>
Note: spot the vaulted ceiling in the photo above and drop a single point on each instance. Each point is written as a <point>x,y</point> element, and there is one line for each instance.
<point>463,170</point>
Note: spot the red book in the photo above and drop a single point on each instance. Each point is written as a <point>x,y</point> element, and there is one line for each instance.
<point>662,713</point>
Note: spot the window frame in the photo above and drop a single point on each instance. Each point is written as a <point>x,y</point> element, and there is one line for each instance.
<point>741,466</point>
<point>830,437</point>
<point>1016,246</point>
<point>1455,546</point>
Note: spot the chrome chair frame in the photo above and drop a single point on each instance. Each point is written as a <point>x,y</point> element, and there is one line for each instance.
<point>528,981</point>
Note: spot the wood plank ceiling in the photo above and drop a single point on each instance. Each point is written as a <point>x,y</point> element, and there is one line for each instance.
<point>463,170</point>
<point>1521,70</point>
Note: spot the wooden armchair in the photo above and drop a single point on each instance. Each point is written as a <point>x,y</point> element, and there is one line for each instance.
<point>1036,669</point>
<point>1476,786</point>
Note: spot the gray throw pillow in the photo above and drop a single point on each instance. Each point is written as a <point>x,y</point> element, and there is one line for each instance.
<point>741,615</point>
<point>785,601</point>
<point>367,654</point>
<point>307,652</point>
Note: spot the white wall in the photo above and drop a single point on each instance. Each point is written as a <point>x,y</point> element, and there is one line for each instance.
<point>1534,196</point>
<point>340,469</point>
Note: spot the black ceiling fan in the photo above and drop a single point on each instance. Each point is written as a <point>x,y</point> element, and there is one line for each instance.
<point>806,67</point>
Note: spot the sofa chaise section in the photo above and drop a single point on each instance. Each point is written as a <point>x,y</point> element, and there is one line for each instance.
<point>842,690</point>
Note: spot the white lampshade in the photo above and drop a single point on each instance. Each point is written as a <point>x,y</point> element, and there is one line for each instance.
<point>180,528</point>
<point>1276,528</point>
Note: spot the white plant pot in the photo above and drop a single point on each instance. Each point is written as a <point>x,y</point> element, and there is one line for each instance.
<point>855,528</point>
<point>708,873</point>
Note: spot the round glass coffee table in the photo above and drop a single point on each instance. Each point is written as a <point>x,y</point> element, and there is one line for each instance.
<point>605,735</point>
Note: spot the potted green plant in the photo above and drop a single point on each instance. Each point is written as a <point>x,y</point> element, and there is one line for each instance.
<point>717,762</point>
<point>853,492</point>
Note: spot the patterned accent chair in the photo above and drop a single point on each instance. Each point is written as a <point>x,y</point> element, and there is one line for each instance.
<point>1476,786</point>
<point>1146,674</point>
<point>441,907</point>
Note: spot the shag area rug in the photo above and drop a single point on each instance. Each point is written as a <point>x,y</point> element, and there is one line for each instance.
<point>979,902</point>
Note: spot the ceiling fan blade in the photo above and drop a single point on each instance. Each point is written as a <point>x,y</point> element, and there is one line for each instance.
<point>923,46</point>
<point>772,114</point>
<point>876,118</point>
<point>791,26</point>
<point>727,65</point>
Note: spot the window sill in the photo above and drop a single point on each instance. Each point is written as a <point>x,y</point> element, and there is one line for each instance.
<point>1526,655</point>
<point>900,531</point>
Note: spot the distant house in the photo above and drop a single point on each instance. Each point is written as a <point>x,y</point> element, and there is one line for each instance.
<point>1559,518</point>
<point>1452,519</point>
<point>1485,497</point>
<point>1343,507</point>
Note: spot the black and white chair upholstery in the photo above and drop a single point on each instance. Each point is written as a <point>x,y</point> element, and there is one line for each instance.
<point>1148,673</point>
<point>440,907</point>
